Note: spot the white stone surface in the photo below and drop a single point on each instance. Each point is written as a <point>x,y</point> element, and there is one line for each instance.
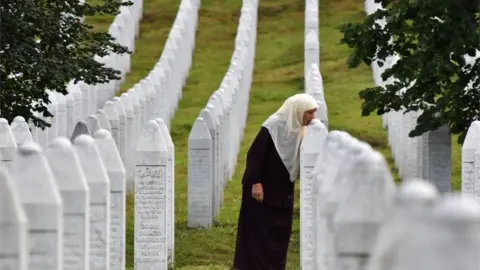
<point>469,147</point>
<point>99,186</point>
<point>80,128</point>
<point>8,147</point>
<point>42,202</point>
<point>20,130</point>
<point>200,187</point>
<point>151,158</point>
<point>412,202</point>
<point>73,188</point>
<point>13,227</point>
<point>311,148</point>
<point>116,173</point>
<point>170,190</point>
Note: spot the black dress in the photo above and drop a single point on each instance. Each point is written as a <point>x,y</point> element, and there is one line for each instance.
<point>264,228</point>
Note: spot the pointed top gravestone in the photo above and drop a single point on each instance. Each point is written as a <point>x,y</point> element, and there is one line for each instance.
<point>452,229</point>
<point>150,139</point>
<point>200,171</point>
<point>311,148</point>
<point>66,165</point>
<point>111,158</point>
<point>413,200</point>
<point>74,189</point>
<point>93,123</point>
<point>368,194</point>
<point>80,128</point>
<point>42,202</point>
<point>116,173</point>
<point>170,188</point>
<point>8,147</point>
<point>103,120</point>
<point>199,130</point>
<point>150,199</point>
<point>13,226</point>
<point>469,147</point>
<point>92,164</point>
<point>99,185</point>
<point>20,130</point>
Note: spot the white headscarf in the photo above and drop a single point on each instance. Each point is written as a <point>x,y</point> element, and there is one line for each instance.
<point>286,129</point>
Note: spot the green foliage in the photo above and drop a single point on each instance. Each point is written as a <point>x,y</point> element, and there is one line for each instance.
<point>431,39</point>
<point>45,44</point>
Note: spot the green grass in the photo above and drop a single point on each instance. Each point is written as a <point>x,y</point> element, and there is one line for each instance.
<point>278,74</point>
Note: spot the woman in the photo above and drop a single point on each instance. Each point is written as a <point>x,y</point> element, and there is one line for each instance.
<point>266,214</point>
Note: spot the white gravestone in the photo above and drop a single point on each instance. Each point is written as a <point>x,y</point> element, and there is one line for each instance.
<point>122,128</point>
<point>447,239</point>
<point>93,124</point>
<point>369,190</point>
<point>103,120</point>
<point>42,203</point>
<point>468,159</point>
<point>21,131</point>
<point>199,176</point>
<point>216,185</point>
<point>130,138</point>
<point>310,150</point>
<point>99,185</point>
<point>412,201</point>
<point>116,173</point>
<point>114,121</point>
<point>80,128</point>
<point>333,159</point>
<point>8,147</point>
<point>13,227</point>
<point>170,190</point>
<point>73,187</point>
<point>438,158</point>
<point>216,154</point>
<point>150,200</point>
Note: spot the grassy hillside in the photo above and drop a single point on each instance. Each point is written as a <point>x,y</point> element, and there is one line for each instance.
<point>278,74</point>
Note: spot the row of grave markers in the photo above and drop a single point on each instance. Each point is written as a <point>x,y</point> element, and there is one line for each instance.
<point>313,87</point>
<point>215,137</point>
<point>155,97</point>
<point>358,218</point>
<point>353,216</point>
<point>82,99</point>
<point>427,156</point>
<point>63,206</point>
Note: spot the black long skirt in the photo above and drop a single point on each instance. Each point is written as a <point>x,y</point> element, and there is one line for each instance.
<point>263,235</point>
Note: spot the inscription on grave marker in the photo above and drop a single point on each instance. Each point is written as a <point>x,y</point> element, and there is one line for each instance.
<point>98,236</point>
<point>74,248</point>
<point>199,195</point>
<point>150,213</point>
<point>117,234</point>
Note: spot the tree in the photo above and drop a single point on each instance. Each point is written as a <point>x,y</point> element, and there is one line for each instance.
<point>433,74</point>
<point>44,44</point>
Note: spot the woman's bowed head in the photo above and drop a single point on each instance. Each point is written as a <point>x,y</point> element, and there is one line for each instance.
<point>286,128</point>
<point>266,214</point>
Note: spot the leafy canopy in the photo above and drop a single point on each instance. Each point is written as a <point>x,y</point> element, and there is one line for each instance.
<point>436,74</point>
<point>45,44</point>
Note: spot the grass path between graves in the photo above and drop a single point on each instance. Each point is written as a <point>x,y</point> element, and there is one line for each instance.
<point>278,74</point>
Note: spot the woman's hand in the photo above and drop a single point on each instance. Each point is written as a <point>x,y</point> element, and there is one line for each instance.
<point>257,192</point>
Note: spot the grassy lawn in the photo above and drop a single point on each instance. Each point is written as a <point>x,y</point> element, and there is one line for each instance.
<point>278,74</point>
